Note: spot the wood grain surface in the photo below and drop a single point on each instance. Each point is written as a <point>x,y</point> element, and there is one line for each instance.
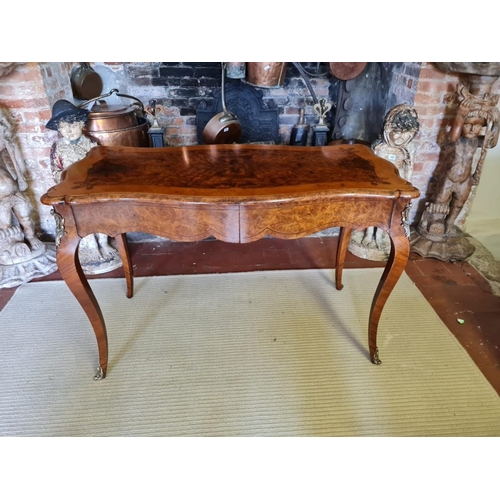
<point>238,172</point>
<point>236,193</point>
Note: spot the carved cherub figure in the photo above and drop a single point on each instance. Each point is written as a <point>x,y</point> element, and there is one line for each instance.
<point>476,127</point>
<point>400,127</point>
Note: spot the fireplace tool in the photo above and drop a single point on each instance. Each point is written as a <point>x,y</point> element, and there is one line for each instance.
<point>298,136</point>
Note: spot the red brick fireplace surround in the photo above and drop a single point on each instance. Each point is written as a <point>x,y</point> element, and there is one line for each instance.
<point>29,90</point>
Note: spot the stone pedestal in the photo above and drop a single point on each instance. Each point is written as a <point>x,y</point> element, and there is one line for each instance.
<point>377,250</point>
<point>96,260</point>
<point>22,269</point>
<point>447,248</point>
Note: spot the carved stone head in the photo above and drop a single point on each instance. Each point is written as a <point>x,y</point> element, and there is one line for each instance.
<point>476,116</point>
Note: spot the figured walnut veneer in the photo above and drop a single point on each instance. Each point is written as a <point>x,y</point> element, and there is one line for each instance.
<point>236,193</point>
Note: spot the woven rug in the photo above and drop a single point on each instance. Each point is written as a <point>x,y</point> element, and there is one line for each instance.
<point>273,353</point>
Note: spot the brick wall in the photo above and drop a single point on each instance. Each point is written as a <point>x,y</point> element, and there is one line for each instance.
<point>30,90</point>
<point>436,104</point>
<point>28,93</point>
<point>405,83</point>
<point>181,87</point>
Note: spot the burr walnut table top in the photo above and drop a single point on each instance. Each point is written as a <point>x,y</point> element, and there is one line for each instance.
<point>228,173</point>
<point>237,193</point>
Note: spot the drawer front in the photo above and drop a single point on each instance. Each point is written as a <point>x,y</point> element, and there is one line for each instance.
<point>295,219</point>
<point>176,221</point>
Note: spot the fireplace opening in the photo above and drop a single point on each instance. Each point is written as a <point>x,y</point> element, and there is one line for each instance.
<point>358,105</point>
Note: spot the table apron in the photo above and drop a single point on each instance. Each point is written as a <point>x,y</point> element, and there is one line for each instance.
<point>233,223</point>
<point>175,221</point>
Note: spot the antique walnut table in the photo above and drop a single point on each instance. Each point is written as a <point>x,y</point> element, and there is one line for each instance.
<point>235,193</point>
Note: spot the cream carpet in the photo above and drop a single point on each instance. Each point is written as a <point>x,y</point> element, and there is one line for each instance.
<point>279,353</point>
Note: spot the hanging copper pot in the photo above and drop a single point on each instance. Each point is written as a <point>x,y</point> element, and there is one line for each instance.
<point>266,74</point>
<point>86,83</point>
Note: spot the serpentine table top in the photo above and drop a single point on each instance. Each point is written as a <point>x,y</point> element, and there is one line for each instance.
<point>237,193</point>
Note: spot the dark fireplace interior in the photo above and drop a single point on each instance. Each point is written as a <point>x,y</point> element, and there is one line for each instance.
<point>362,103</point>
<point>259,121</point>
<point>268,114</point>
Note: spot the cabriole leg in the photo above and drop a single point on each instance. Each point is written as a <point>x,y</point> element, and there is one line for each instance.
<point>344,237</point>
<point>121,243</point>
<point>67,241</point>
<point>400,250</point>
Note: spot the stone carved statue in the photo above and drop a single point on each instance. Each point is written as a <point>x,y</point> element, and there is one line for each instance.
<point>96,252</point>
<point>476,129</point>
<point>400,128</point>
<point>23,256</point>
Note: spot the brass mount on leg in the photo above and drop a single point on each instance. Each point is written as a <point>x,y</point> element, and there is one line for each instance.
<point>100,373</point>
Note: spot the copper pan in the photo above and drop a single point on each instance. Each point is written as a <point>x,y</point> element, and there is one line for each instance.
<point>224,127</point>
<point>86,83</point>
<point>346,70</point>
